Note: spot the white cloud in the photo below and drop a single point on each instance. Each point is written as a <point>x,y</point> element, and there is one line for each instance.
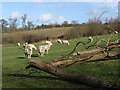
<point>50,19</point>
<point>15,15</point>
<point>19,15</point>
<point>60,19</point>
<point>93,12</point>
<point>99,10</point>
<point>109,7</point>
<point>46,18</point>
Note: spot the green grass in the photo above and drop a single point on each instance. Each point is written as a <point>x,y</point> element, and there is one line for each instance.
<point>15,75</point>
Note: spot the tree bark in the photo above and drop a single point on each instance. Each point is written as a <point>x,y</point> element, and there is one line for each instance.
<point>90,51</point>
<point>97,50</point>
<point>81,79</point>
<point>90,58</point>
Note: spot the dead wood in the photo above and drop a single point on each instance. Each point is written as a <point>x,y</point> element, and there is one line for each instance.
<point>70,52</point>
<point>90,51</point>
<point>75,49</point>
<point>90,58</point>
<point>81,79</point>
<point>97,57</point>
<point>98,50</point>
<point>70,61</point>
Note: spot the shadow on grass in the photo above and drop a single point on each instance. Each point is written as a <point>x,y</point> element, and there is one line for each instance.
<point>45,77</point>
<point>110,58</point>
<point>21,57</point>
<point>30,76</point>
<point>34,55</point>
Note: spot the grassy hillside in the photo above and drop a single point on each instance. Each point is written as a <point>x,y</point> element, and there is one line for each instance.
<point>34,35</point>
<point>15,75</point>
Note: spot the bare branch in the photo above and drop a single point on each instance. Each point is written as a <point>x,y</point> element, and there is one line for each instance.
<point>75,49</point>
<point>101,15</point>
<point>69,53</point>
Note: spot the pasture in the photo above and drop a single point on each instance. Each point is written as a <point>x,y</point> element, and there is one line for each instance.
<point>15,75</point>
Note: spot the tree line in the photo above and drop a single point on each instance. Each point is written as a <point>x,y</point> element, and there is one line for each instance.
<point>93,26</point>
<point>13,24</point>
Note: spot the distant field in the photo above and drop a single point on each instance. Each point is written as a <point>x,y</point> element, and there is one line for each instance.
<point>14,63</point>
<point>34,35</point>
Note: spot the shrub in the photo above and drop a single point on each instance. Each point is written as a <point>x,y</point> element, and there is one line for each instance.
<point>75,32</point>
<point>85,30</point>
<point>31,38</point>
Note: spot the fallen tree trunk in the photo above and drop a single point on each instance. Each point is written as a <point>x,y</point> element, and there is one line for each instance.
<point>90,51</point>
<point>90,58</point>
<point>70,61</point>
<point>81,79</point>
<point>97,50</point>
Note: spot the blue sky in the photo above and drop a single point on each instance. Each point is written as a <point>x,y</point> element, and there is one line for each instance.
<point>52,12</point>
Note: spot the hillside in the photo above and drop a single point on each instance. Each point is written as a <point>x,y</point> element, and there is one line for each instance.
<point>33,35</point>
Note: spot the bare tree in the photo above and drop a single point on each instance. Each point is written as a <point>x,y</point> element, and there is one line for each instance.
<point>30,25</point>
<point>65,23</point>
<point>13,23</point>
<point>74,22</point>
<point>3,23</point>
<point>24,17</point>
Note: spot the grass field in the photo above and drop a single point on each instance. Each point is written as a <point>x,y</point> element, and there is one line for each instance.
<point>15,75</point>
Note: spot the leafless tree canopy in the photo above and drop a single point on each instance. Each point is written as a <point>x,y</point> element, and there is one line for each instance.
<point>24,17</point>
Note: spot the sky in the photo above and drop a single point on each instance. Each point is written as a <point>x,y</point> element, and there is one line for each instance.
<point>51,12</point>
